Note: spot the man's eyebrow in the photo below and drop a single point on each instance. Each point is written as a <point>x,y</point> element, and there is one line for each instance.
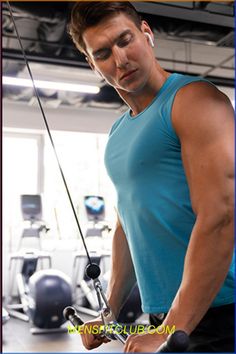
<point>121,35</point>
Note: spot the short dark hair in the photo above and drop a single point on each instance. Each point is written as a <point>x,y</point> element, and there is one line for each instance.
<point>87,14</point>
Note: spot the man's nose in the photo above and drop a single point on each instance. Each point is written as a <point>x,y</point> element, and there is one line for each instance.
<point>120,57</point>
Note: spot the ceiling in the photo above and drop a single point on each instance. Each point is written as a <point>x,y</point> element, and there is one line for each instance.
<point>194,37</point>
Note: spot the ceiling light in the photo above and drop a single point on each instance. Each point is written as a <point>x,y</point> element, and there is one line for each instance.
<point>52,85</point>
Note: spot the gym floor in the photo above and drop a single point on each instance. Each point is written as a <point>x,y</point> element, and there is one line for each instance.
<point>18,338</point>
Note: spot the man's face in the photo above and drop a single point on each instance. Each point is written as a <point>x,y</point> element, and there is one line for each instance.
<point>120,52</point>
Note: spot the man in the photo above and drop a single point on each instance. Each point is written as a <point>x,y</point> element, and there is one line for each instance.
<point>170,158</point>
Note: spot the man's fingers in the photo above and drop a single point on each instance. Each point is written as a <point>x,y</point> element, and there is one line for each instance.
<point>96,342</point>
<point>101,337</point>
<point>128,344</point>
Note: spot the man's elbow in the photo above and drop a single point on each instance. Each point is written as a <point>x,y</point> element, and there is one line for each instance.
<point>219,220</point>
<point>225,216</point>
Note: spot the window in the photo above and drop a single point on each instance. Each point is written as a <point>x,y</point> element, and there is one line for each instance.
<point>21,175</point>
<point>81,158</point>
<point>30,167</point>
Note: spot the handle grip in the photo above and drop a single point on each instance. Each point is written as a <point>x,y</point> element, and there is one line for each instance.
<point>176,343</point>
<point>70,314</point>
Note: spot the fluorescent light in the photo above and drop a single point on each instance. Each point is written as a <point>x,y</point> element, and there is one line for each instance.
<point>53,85</point>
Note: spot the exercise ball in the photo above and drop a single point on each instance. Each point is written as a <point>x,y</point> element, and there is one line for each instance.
<point>49,293</point>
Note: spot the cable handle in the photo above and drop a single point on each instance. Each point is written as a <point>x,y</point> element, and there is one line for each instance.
<point>71,315</point>
<point>177,342</point>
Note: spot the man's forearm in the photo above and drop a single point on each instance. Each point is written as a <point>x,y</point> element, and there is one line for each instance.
<point>206,265</point>
<point>122,277</point>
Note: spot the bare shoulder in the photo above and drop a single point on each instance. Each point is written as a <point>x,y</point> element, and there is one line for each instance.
<point>201,106</point>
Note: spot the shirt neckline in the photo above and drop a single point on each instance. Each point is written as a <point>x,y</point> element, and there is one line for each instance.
<point>163,87</point>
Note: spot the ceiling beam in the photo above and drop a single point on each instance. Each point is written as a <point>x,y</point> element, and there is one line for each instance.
<point>186,14</point>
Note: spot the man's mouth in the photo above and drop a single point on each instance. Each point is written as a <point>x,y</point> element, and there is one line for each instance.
<point>128,74</point>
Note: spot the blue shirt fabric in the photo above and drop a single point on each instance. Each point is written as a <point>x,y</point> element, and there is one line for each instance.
<point>143,159</point>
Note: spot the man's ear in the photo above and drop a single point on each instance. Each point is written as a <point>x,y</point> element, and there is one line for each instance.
<point>145,27</point>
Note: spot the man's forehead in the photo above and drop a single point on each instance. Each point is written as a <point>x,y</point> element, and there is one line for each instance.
<point>117,17</point>
<point>115,24</point>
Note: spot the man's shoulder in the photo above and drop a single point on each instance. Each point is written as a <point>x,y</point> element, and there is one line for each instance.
<point>187,85</point>
<point>197,93</point>
<point>200,104</point>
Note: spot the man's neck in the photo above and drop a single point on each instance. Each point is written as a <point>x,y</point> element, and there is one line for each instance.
<point>138,101</point>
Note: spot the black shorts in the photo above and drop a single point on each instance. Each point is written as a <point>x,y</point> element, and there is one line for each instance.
<point>214,334</point>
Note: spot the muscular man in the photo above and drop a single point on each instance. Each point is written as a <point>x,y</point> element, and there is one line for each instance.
<point>170,157</point>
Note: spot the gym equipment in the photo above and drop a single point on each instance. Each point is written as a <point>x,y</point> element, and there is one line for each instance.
<point>28,262</point>
<point>31,208</point>
<point>43,294</point>
<point>5,315</point>
<point>83,290</point>
<point>87,300</point>
<point>49,291</point>
<point>95,207</point>
<point>95,210</point>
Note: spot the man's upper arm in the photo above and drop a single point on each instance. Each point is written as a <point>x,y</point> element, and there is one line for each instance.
<point>203,118</point>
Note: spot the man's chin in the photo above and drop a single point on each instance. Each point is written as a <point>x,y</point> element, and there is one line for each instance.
<point>131,88</point>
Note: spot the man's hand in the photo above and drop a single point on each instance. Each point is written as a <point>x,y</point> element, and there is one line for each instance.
<point>142,343</point>
<point>91,334</point>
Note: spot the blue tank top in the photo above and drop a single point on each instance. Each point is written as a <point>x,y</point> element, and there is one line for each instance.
<point>143,159</point>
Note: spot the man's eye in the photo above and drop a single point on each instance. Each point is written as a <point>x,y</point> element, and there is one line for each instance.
<point>124,41</point>
<point>102,55</point>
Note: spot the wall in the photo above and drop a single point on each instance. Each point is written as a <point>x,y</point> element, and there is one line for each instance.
<point>21,115</point>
